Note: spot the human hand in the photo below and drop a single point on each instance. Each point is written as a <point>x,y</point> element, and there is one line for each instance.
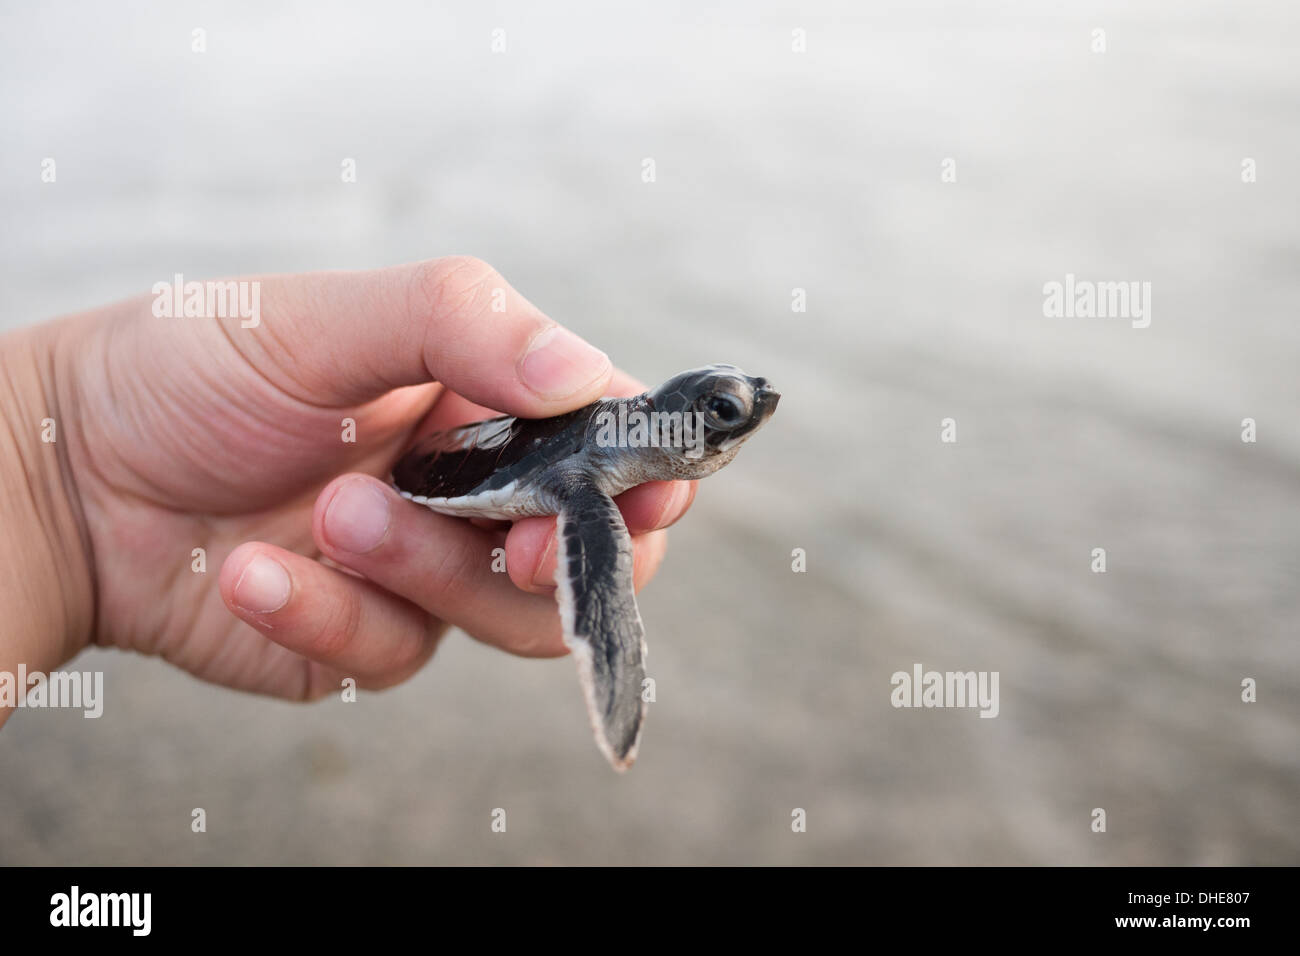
<point>185,433</point>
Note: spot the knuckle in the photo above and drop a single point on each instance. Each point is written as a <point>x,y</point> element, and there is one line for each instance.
<point>338,629</point>
<point>456,569</point>
<point>457,286</point>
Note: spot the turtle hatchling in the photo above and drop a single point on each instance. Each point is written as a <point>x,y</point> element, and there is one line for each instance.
<point>572,466</point>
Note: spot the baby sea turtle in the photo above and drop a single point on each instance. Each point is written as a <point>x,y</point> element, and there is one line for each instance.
<point>571,466</point>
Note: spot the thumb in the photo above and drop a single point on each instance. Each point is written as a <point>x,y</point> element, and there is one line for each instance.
<point>342,338</point>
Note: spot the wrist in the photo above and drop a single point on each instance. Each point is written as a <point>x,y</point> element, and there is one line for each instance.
<point>46,568</point>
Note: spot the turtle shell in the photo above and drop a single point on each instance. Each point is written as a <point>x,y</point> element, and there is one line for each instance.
<point>489,455</point>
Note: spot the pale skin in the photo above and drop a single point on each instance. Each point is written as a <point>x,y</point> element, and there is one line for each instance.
<point>173,434</point>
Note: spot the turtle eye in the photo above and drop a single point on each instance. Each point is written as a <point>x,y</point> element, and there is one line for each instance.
<point>723,410</point>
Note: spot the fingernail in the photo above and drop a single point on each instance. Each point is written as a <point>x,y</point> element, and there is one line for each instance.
<point>545,575</point>
<point>263,587</point>
<point>558,364</point>
<point>356,519</point>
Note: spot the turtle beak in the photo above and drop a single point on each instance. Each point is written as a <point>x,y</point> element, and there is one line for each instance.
<point>765,397</point>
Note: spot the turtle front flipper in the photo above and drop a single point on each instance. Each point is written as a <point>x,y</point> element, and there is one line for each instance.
<point>602,626</point>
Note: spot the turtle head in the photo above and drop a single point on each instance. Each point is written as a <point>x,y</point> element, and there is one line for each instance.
<point>722,407</point>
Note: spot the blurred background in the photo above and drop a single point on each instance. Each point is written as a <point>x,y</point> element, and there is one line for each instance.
<point>775,171</point>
